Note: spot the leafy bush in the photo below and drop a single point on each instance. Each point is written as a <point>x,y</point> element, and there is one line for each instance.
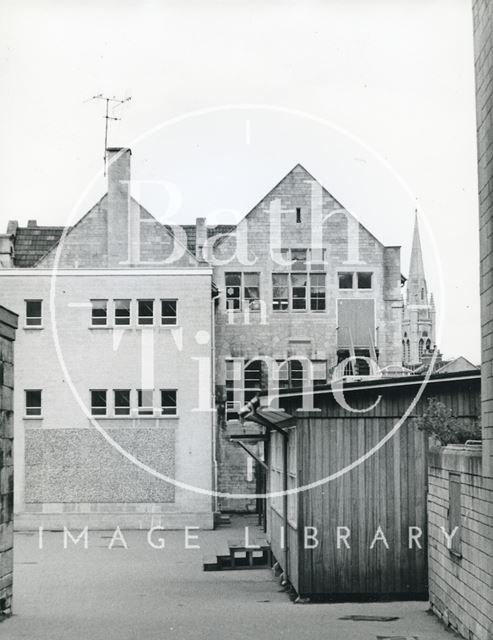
<point>439,422</point>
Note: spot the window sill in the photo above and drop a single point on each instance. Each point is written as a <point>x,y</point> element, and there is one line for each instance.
<point>137,417</point>
<point>33,327</point>
<point>99,327</point>
<point>32,417</point>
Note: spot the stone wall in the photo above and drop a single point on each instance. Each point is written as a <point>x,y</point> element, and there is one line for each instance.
<point>8,324</point>
<point>461,589</point>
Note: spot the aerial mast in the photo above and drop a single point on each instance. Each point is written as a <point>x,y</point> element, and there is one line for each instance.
<point>107,117</point>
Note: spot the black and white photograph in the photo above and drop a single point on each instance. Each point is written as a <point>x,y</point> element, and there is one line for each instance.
<point>246,319</point>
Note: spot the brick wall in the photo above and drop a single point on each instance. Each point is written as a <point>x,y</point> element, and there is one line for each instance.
<point>483,44</point>
<point>8,323</point>
<point>460,582</point>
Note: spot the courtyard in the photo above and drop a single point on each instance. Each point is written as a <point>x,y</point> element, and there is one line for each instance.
<point>122,593</point>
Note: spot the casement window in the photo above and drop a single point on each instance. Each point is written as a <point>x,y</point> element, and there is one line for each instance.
<point>168,402</point>
<point>33,403</point>
<point>99,405</point>
<point>298,291</point>
<point>145,402</point>
<point>280,291</point>
<point>454,513</point>
<point>122,402</point>
<point>243,382</point>
<point>242,290</point>
<point>303,288</point>
<point>364,279</point>
<point>34,313</point>
<point>122,312</point>
<point>251,290</point>
<point>345,280</point>
<point>99,315</point>
<point>146,312</point>
<point>319,372</point>
<point>168,311</point>
<point>359,279</point>
<point>317,291</point>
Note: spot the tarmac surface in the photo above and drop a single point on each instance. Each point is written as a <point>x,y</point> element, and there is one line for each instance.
<point>143,593</point>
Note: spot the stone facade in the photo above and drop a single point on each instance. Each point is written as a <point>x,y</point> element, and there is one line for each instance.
<point>359,316</point>
<point>74,466</point>
<point>8,325</point>
<point>460,578</point>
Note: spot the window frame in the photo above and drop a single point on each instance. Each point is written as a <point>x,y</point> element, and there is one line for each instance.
<point>140,316</point>
<point>364,273</point>
<point>33,325</point>
<point>172,317</point>
<point>94,317</point>
<point>29,408</point>
<point>116,319</point>
<point>120,410</point>
<point>145,410</point>
<point>345,273</point>
<point>164,409</point>
<point>99,414</point>
<point>241,300</point>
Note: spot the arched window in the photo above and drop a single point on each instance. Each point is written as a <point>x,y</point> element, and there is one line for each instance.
<point>428,345</point>
<point>422,293</point>
<point>408,350</point>
<point>404,350</point>
<point>421,346</point>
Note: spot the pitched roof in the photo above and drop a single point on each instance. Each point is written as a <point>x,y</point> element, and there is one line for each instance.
<point>32,243</point>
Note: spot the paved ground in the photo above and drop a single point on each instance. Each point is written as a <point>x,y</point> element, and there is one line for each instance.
<point>148,594</point>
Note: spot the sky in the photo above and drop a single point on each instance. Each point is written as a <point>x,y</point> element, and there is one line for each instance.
<point>374,98</point>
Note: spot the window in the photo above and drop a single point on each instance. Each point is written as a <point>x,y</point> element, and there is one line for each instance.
<point>317,291</point>
<point>251,290</point>
<point>168,402</point>
<point>364,280</point>
<point>345,280</point>
<point>33,402</point>
<point>146,311</point>
<point>420,347</point>
<point>99,312</point>
<point>122,402</point>
<point>168,311</point>
<point>234,369</point>
<point>454,513</point>
<point>122,312</point>
<point>34,316</point>
<point>298,291</point>
<point>298,215</point>
<point>145,402</point>
<point>98,402</point>
<point>280,292</point>
<point>291,374</point>
<point>357,365</point>
<point>319,372</point>
<point>298,259</point>
<point>233,290</point>
<point>246,284</point>
<point>253,379</point>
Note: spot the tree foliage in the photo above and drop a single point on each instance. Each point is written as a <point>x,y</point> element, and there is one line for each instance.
<point>438,421</point>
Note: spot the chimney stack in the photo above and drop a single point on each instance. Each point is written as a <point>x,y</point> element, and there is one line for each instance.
<point>118,206</point>
<point>200,237</point>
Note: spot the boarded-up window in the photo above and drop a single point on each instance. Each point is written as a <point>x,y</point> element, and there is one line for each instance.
<point>356,323</point>
<point>454,513</point>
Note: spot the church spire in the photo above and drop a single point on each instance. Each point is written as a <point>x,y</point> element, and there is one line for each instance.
<point>417,291</point>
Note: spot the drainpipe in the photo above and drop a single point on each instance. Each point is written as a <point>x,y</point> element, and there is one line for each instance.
<point>213,401</point>
<point>285,502</point>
